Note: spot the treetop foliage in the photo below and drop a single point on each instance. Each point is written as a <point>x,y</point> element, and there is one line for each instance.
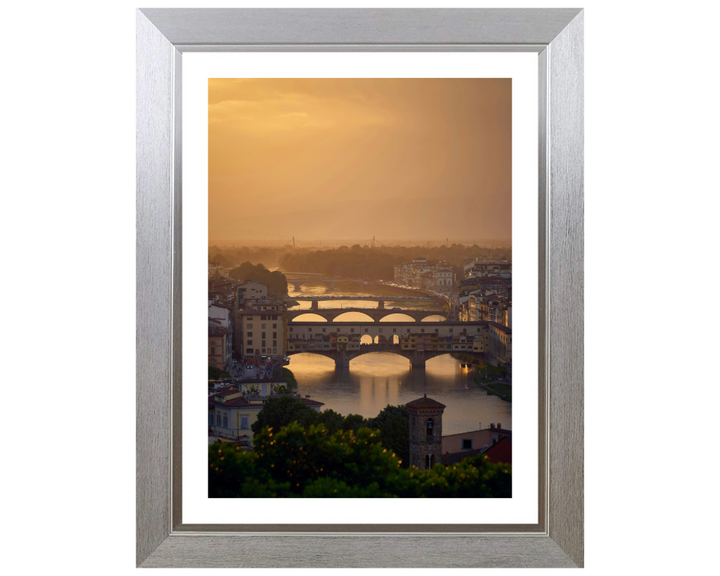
<point>275,281</point>
<point>313,462</point>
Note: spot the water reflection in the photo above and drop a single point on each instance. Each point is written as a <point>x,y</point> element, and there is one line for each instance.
<point>376,380</point>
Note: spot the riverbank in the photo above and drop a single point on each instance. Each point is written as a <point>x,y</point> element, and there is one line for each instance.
<point>467,359</point>
<point>502,391</point>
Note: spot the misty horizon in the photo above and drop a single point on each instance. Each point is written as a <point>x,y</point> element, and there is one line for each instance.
<point>397,159</point>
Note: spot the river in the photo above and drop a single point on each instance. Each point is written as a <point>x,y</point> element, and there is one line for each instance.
<point>375,380</point>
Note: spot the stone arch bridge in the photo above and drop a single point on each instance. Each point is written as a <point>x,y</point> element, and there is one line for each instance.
<point>383,333</point>
<point>329,282</point>
<point>377,314</point>
<point>417,358</point>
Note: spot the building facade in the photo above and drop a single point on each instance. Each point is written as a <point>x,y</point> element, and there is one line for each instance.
<point>219,346</point>
<point>233,411</point>
<point>261,329</point>
<point>425,432</point>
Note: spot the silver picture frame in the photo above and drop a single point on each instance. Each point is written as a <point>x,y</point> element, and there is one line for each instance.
<point>163,540</point>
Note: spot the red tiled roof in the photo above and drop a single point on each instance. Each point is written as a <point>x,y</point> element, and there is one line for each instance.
<point>309,402</point>
<point>500,452</point>
<point>218,331</point>
<point>240,401</point>
<point>425,402</point>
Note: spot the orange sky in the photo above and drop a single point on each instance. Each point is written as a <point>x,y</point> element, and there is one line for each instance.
<point>355,158</point>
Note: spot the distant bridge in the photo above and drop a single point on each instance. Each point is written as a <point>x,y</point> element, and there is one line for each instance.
<point>377,314</point>
<point>329,282</point>
<point>417,358</point>
<point>323,298</point>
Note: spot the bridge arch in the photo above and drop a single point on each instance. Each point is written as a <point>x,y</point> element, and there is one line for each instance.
<point>433,318</point>
<point>397,317</point>
<point>339,317</point>
<point>312,353</point>
<point>309,316</point>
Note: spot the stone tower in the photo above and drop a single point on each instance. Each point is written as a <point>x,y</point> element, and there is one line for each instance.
<point>425,432</point>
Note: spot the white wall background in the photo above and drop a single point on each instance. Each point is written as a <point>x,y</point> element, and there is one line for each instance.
<point>67,235</point>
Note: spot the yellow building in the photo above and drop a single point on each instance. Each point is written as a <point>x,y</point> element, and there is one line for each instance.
<point>261,329</point>
<point>231,412</point>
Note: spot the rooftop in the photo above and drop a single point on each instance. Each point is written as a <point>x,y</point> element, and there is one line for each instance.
<point>218,331</point>
<point>425,402</point>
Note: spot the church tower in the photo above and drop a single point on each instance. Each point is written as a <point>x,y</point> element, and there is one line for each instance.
<point>425,432</point>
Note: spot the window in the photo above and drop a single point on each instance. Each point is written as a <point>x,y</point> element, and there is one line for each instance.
<point>263,317</point>
<point>218,420</point>
<point>429,427</point>
<point>263,326</point>
<point>291,329</point>
<point>274,325</point>
<point>250,351</point>
<point>212,350</point>
<point>244,423</point>
<point>467,443</point>
<point>274,350</point>
<point>324,329</point>
<point>249,334</point>
<point>224,420</point>
<point>249,344</point>
<point>249,325</point>
<point>274,342</point>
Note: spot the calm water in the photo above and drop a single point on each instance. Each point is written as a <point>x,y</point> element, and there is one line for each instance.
<point>378,379</point>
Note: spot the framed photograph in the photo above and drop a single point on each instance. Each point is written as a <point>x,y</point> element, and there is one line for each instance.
<point>385,208</point>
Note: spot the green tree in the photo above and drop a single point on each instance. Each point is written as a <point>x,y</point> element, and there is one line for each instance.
<point>313,462</point>
<point>393,422</point>
<point>287,375</point>
<point>215,373</point>
<point>279,411</point>
<point>275,281</point>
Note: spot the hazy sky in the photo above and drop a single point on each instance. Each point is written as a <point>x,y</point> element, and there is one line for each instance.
<point>355,158</point>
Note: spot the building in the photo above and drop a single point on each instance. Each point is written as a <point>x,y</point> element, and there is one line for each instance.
<point>219,346</point>
<point>469,262</point>
<point>221,313</point>
<point>475,439</point>
<point>499,343</point>
<point>251,290</point>
<point>419,273</point>
<point>490,268</point>
<point>232,411</point>
<point>495,442</point>
<point>260,329</point>
<point>425,432</point>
